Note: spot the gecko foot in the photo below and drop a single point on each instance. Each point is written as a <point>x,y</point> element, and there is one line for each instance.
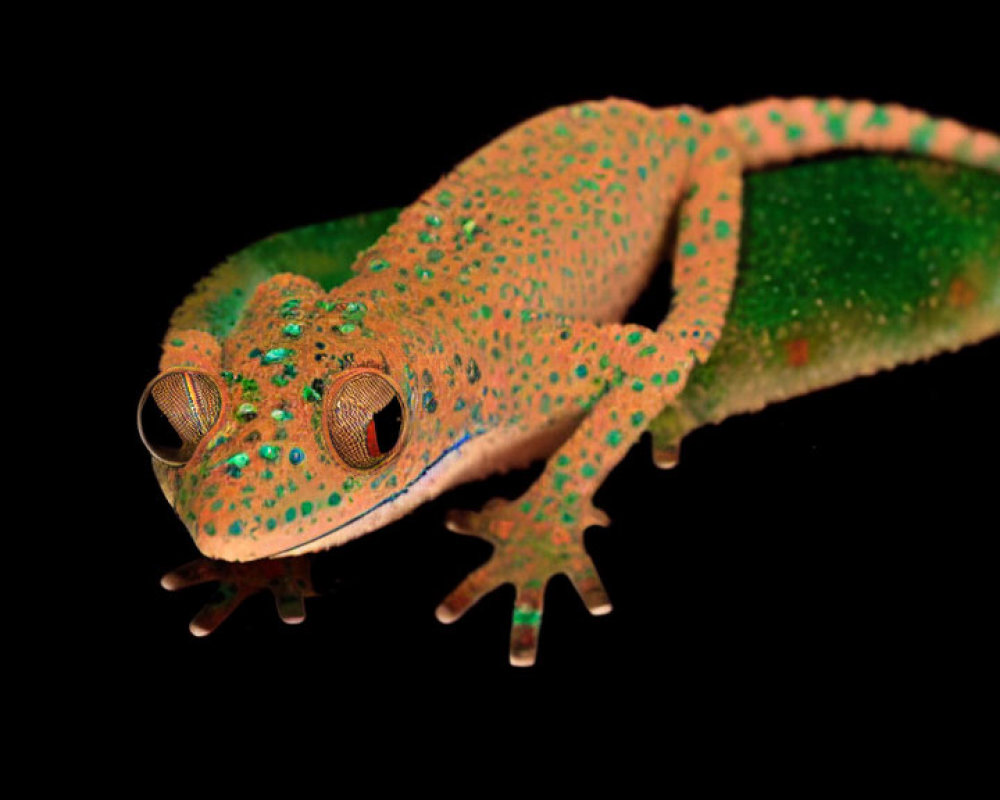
<point>286,578</point>
<point>529,549</point>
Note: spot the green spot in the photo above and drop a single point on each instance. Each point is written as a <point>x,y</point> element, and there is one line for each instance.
<point>445,198</point>
<point>689,249</point>
<point>236,528</point>
<point>435,255</point>
<point>354,311</point>
<point>378,265</point>
<point>637,386</point>
<point>333,499</point>
<point>878,119</point>
<point>433,220</point>
<point>293,329</point>
<point>581,371</point>
<point>836,126</point>
<point>290,514</point>
<point>637,419</point>
<point>527,616</point>
<point>270,452</point>
<point>794,132</point>
<point>240,460</point>
<point>722,229</point>
<point>673,376</point>
<point>177,342</point>
<point>274,356</point>
<point>923,136</point>
<point>310,395</point>
<point>307,508</point>
<point>634,338</point>
<point>588,471</point>
<point>614,438</point>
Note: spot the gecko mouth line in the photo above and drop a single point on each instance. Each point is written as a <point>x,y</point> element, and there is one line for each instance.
<point>394,496</point>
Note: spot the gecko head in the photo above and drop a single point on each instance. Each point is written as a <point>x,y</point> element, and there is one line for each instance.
<point>299,437</point>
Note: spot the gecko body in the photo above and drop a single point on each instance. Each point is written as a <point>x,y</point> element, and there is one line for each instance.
<point>483,329</point>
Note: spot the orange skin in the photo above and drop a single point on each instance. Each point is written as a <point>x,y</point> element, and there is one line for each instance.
<point>491,306</point>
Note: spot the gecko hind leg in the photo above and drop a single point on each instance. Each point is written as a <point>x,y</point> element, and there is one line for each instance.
<point>706,258</point>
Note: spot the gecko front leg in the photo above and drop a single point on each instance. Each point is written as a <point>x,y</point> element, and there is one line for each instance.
<point>621,376</point>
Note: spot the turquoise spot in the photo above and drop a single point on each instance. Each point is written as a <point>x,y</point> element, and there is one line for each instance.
<point>236,528</point>
<point>334,499</point>
<point>689,249</point>
<point>290,514</point>
<point>581,371</point>
<point>296,456</point>
<point>273,356</point>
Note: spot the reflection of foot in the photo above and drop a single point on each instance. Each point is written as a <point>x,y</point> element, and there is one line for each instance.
<point>286,578</point>
<point>530,547</point>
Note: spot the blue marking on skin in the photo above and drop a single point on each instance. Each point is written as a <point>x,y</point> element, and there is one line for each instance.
<point>391,497</point>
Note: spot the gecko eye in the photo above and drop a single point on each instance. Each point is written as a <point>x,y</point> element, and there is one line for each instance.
<point>175,412</point>
<point>365,418</point>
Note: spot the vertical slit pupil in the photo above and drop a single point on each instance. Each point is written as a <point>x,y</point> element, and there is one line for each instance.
<point>388,423</point>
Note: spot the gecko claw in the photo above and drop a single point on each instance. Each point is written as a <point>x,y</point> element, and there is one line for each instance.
<point>459,521</point>
<point>666,455</point>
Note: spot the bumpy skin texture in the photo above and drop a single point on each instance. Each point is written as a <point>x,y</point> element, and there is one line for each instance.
<point>490,303</point>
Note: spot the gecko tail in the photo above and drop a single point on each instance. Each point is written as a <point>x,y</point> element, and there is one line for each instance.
<point>778,130</point>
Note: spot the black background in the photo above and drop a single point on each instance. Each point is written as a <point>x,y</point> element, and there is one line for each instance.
<point>822,558</point>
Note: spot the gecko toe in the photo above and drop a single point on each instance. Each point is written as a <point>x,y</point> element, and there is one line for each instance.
<point>291,608</point>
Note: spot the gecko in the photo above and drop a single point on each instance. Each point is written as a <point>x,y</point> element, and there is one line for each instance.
<point>483,329</point>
